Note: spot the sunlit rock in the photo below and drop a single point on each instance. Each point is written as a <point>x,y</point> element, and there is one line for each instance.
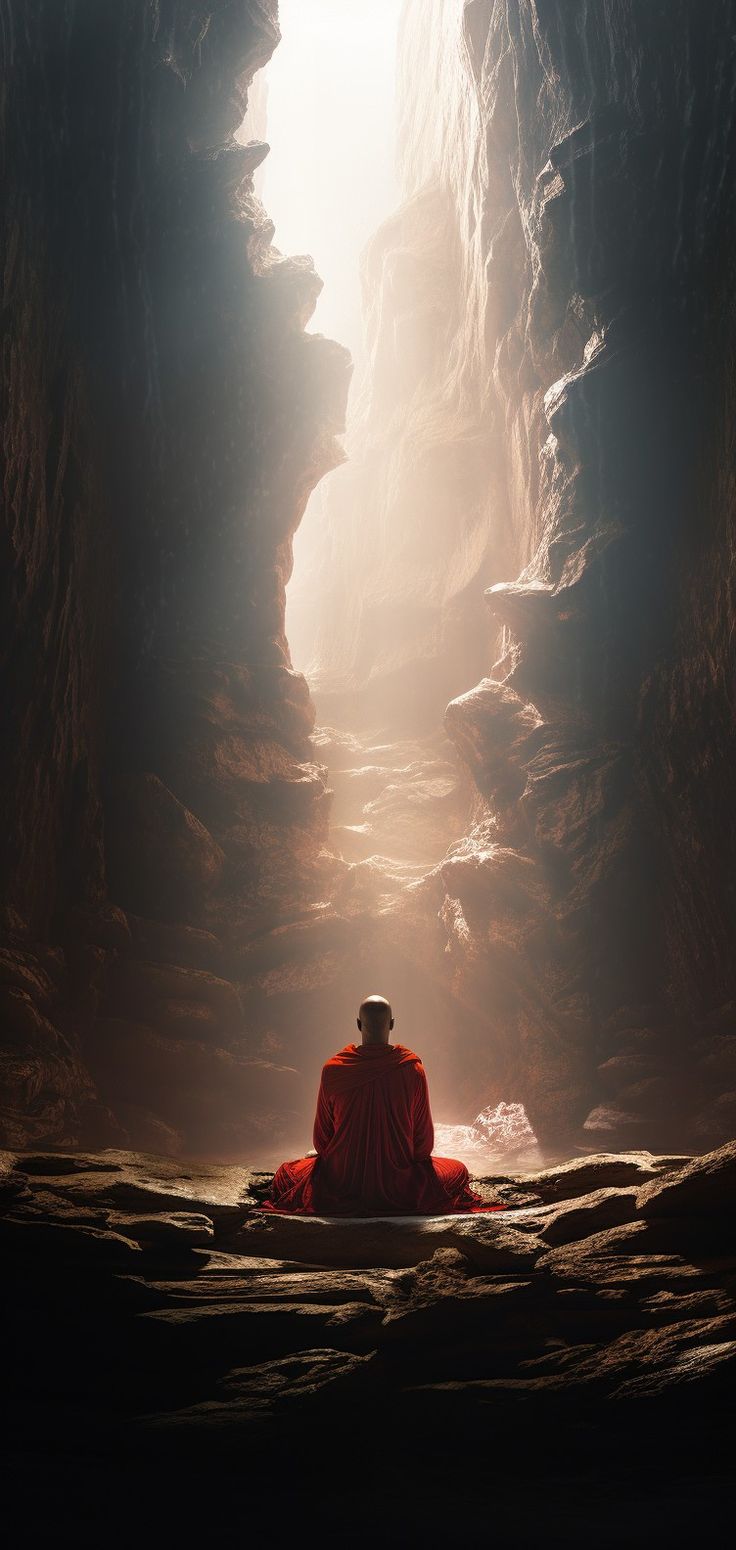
<point>498,1135</point>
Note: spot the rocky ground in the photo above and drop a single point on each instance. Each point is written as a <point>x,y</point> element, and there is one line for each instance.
<point>180,1360</point>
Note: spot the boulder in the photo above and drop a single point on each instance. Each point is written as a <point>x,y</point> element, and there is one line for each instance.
<point>135,1182</point>
<point>590,1214</point>
<point>704,1185</point>
<point>488,1242</point>
<point>63,1244</point>
<point>621,1071</point>
<point>583,1175</point>
<point>165,1229</point>
<point>40,1204</point>
<point>608,1124</point>
<point>638,1256</point>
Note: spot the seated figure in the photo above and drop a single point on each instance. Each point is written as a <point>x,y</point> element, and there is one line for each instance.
<point>373,1137</point>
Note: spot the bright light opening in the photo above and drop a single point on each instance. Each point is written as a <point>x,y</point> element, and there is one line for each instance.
<point>329,180</point>
<point>326,106</point>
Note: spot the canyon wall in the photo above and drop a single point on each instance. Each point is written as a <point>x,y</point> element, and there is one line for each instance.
<point>546,419</point>
<point>165,417</point>
<point>586,154</point>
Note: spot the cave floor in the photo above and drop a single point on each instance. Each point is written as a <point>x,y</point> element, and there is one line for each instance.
<point>561,1370</point>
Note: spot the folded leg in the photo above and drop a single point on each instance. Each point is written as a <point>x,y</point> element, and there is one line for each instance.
<point>452,1175</point>
<point>292,1187</point>
<point>454,1179</point>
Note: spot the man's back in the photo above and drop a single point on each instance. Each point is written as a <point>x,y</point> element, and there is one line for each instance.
<point>373,1131</point>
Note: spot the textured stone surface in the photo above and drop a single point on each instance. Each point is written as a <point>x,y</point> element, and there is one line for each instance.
<point>545,418</point>
<point>391,1242</point>
<point>705,1186</point>
<point>549,387</point>
<point>154,1311</point>
<point>166,417</point>
<point>600,741</point>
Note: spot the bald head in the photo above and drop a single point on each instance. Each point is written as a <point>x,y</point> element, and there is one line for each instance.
<point>375,1020</point>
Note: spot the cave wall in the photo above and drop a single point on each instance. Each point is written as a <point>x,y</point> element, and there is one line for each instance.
<point>589,910</point>
<point>547,416</point>
<point>165,417</point>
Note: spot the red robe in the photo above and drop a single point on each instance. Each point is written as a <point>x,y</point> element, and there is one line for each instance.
<point>373,1135</point>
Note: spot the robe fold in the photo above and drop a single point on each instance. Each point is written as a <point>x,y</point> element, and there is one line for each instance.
<point>373,1136</point>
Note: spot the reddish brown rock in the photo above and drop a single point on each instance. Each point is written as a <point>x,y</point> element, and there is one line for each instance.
<point>705,1185</point>
<point>151,511</point>
<point>170,942</point>
<point>155,991</point>
<point>161,855</point>
<point>210,1095</point>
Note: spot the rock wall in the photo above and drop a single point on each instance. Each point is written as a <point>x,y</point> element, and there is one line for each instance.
<point>165,418</point>
<point>547,417</point>
<point>588,156</point>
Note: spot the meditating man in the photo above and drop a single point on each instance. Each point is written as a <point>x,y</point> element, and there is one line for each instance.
<point>373,1137</point>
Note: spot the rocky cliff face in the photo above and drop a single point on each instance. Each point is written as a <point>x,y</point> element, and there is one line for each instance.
<point>547,418</point>
<point>587,154</point>
<point>165,419</point>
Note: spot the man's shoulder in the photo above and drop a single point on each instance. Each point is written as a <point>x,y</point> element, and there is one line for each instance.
<point>340,1056</point>
<point>402,1058</point>
<point>407,1056</point>
<point>408,1065</point>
